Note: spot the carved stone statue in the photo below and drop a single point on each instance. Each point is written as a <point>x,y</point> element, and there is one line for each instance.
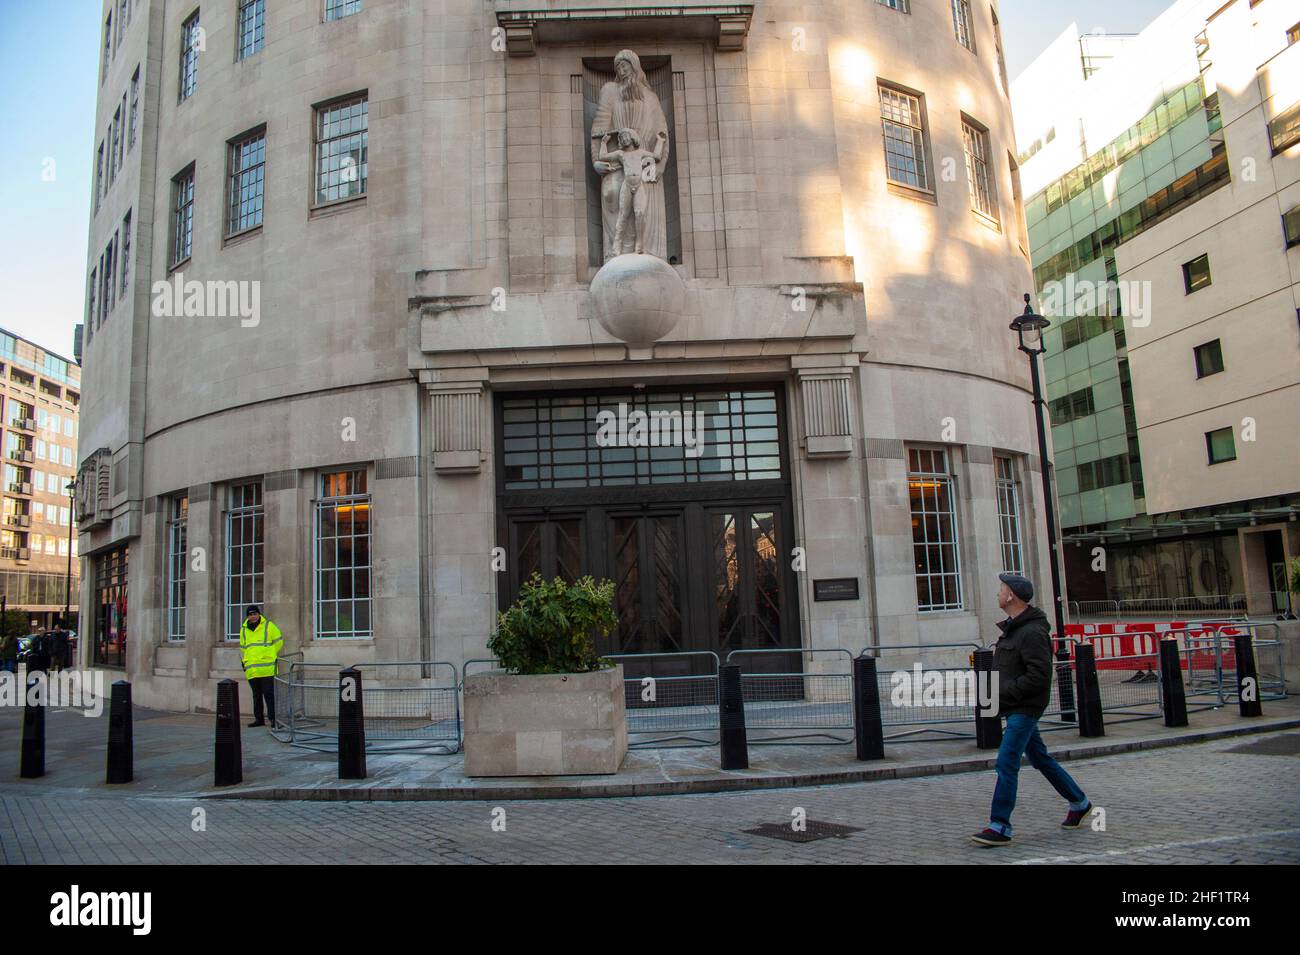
<point>627,105</point>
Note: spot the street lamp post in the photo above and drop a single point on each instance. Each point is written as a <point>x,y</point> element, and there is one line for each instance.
<point>1029,328</point>
<point>72,519</point>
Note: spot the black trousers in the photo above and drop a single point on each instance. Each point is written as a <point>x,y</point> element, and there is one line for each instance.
<point>263,688</point>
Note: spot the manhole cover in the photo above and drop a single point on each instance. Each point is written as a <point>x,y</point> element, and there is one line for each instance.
<point>1285,745</point>
<point>812,831</point>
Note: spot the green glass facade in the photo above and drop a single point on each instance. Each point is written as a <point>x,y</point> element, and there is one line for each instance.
<point>1173,156</point>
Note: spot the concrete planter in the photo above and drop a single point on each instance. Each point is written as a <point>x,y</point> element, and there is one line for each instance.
<point>549,725</point>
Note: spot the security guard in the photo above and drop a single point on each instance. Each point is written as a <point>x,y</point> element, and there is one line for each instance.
<point>259,644</point>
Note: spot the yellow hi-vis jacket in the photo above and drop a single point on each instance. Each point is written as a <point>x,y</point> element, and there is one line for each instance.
<point>259,648</point>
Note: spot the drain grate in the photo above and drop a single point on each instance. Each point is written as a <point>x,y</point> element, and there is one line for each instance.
<point>1286,745</point>
<point>813,831</point>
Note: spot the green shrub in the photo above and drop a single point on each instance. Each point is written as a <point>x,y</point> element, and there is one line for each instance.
<point>550,628</point>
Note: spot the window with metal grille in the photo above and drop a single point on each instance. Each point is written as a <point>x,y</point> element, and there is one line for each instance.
<point>115,146</point>
<point>99,174</point>
<point>126,251</point>
<point>343,592</point>
<point>904,127</point>
<point>982,197</point>
<point>247,176</point>
<point>245,543</point>
<point>1008,489</point>
<point>182,216</point>
<point>191,37</point>
<point>902,6</point>
<point>1002,60</point>
<point>932,492</point>
<point>251,17</point>
<point>1209,359</point>
<point>1219,446</point>
<point>108,47</point>
<point>338,9</point>
<point>668,437</point>
<point>962,24</point>
<point>1291,227</point>
<point>135,109</point>
<point>342,136</point>
<point>177,556</point>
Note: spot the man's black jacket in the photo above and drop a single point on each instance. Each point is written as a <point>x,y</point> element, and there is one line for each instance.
<point>1024,659</point>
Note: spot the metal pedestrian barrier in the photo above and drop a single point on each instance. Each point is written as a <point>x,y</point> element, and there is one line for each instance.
<point>411,706</point>
<point>904,703</point>
<point>671,699</point>
<point>811,704</point>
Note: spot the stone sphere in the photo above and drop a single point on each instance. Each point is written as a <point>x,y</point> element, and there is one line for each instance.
<point>638,298</point>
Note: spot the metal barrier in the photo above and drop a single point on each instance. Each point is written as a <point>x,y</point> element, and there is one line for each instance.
<point>899,705</point>
<point>784,705</point>
<point>411,706</point>
<point>672,710</point>
<point>1094,608</point>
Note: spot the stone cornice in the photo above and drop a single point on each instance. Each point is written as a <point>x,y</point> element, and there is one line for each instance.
<point>726,24</point>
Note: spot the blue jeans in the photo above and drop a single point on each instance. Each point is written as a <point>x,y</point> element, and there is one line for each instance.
<point>1021,738</point>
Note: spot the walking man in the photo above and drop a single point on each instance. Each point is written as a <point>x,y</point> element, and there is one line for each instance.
<point>259,644</point>
<point>1023,655</point>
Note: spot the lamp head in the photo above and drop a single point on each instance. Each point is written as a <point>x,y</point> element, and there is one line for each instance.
<point>1029,327</point>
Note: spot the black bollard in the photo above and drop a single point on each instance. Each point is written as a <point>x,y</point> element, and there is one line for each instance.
<point>731,718</point>
<point>868,729</point>
<point>1243,644</point>
<point>1091,723</point>
<point>32,760</point>
<point>988,728</point>
<point>229,757</point>
<point>1172,695</point>
<point>352,726</point>
<point>121,745</point>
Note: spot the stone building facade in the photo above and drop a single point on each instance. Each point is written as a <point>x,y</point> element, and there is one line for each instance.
<point>397,422</point>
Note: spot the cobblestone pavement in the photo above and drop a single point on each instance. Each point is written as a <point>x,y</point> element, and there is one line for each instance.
<point>1215,802</point>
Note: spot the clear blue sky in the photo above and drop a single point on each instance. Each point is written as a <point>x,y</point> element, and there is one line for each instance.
<point>48,60</point>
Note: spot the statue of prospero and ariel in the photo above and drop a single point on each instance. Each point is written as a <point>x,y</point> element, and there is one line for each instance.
<point>629,146</point>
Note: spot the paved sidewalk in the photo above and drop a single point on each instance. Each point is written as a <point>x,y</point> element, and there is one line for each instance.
<point>174,755</point>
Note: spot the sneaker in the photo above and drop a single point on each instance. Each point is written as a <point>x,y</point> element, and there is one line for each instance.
<point>1151,677</point>
<point>1074,819</point>
<point>990,837</point>
<point>1138,677</point>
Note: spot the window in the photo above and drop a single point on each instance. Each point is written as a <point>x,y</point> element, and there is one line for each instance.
<point>982,196</point>
<point>342,131</point>
<point>99,175</point>
<point>1018,200</point>
<point>108,47</point>
<point>1293,35</point>
<point>252,27</point>
<point>1077,404</point>
<point>934,530</point>
<point>135,109</point>
<point>902,6</point>
<point>1219,445</point>
<point>182,216</point>
<point>247,172</point>
<point>121,141</point>
<point>90,310</point>
<point>126,253</point>
<point>1209,359</point>
<point>1107,472</point>
<point>1002,60</point>
<point>905,153</point>
<point>1008,489</point>
<point>115,145</point>
<point>338,9</point>
<point>343,556</point>
<point>66,457</point>
<point>1291,227</point>
<point>1196,273</point>
<point>191,40</point>
<point>245,565</point>
<point>177,562</point>
<point>109,289</point>
<point>961,22</point>
<point>1284,129</point>
<point>110,609</point>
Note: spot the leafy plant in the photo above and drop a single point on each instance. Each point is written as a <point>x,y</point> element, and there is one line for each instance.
<point>1295,575</point>
<point>550,628</point>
